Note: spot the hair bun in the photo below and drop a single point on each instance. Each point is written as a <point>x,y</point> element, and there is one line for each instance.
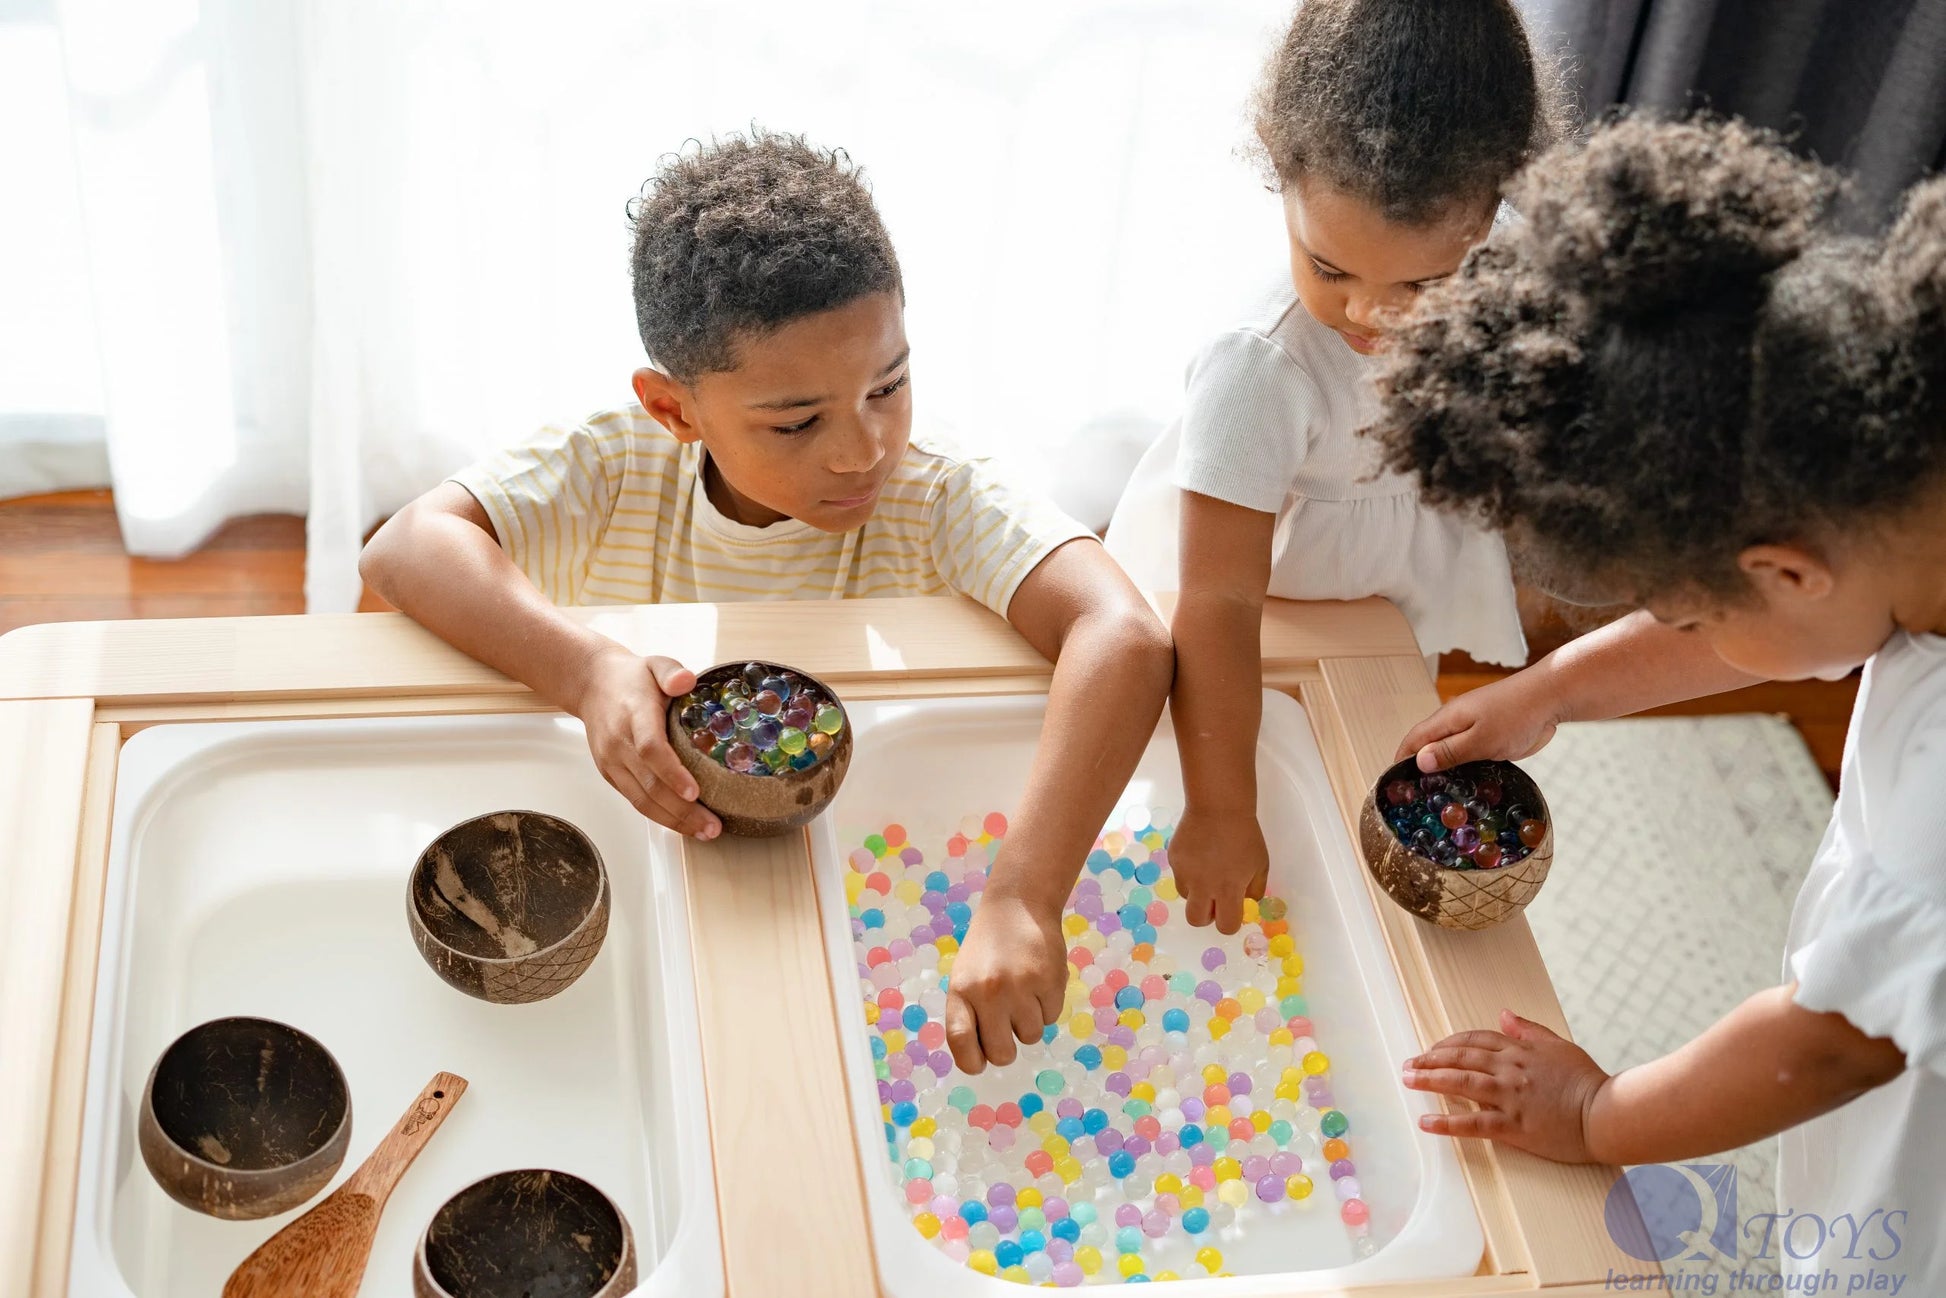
<point>1685,216</point>
<point>1914,260</point>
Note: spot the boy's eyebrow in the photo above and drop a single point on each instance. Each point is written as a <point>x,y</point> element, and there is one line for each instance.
<point>792,403</point>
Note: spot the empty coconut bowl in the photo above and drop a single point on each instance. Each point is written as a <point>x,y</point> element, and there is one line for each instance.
<point>526,1234</point>
<point>761,806</point>
<point>1437,892</point>
<point>510,907</point>
<point>244,1118</point>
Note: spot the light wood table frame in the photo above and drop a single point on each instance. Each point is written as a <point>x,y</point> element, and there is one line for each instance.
<point>70,693</point>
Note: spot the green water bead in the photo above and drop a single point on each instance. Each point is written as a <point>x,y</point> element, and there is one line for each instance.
<point>961,1097</point>
<point>776,759</point>
<point>792,740</point>
<point>1293,1006</point>
<point>1334,1123</point>
<point>1271,908</point>
<point>918,1169</point>
<point>1217,1138</point>
<point>1137,1108</point>
<point>1140,897</point>
<point>875,844</point>
<point>1281,1132</point>
<point>829,718</point>
<point>1049,1082</point>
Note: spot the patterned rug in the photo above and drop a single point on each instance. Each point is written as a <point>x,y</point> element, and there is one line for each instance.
<point>1680,846</point>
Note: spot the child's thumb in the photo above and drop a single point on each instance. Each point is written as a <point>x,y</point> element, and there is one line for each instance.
<point>671,677</point>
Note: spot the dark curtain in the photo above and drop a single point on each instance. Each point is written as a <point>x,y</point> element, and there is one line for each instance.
<point>1857,83</point>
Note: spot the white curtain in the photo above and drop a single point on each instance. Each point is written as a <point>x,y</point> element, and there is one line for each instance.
<point>311,257</point>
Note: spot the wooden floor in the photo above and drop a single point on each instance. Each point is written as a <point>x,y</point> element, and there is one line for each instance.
<point>61,560</point>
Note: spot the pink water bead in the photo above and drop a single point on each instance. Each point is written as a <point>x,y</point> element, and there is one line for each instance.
<point>1355,1213</point>
<point>1127,1214</point>
<point>918,1191</point>
<point>1203,1177</point>
<point>1155,1225</point>
<point>1067,1275</point>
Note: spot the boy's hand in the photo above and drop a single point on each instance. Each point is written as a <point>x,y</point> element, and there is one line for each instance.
<point>1507,720</point>
<point>1218,859</point>
<point>624,703</point>
<point>1008,981</point>
<point>1536,1090</point>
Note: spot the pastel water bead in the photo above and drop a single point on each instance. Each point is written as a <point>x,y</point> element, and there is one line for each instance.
<point>1457,818</point>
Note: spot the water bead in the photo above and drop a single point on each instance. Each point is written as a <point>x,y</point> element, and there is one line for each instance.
<point>1213,958</point>
<point>791,740</point>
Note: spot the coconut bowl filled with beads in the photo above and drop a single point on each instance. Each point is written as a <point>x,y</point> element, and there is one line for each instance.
<point>510,907</point>
<point>1463,848</point>
<point>768,745</point>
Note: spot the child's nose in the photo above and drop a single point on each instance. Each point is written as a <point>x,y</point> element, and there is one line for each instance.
<point>1375,311</point>
<point>859,450</point>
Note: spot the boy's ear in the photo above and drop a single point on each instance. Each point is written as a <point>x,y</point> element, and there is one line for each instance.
<point>1783,573</point>
<point>668,402</point>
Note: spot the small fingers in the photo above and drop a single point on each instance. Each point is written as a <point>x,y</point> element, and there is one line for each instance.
<point>1229,912</point>
<point>1029,1027</point>
<point>1259,884</point>
<point>1481,1088</point>
<point>1476,1058</point>
<point>656,759</point>
<point>658,803</point>
<point>1199,909</point>
<point>997,1036</point>
<point>1521,1029</point>
<point>1484,1124</point>
<point>1477,1038</point>
<point>963,1036</point>
<point>1051,1004</point>
<point>1442,753</point>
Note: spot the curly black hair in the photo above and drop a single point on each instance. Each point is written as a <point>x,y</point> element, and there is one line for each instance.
<point>744,235</point>
<point>1412,106</point>
<point>1675,357</point>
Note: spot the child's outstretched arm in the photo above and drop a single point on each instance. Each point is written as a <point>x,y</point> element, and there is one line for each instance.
<point>1768,1065</point>
<point>1218,854</point>
<point>438,561</point>
<point>1112,665</point>
<point>1629,665</point>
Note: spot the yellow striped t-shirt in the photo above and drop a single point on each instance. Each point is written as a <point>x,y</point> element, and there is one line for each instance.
<point>613,511</point>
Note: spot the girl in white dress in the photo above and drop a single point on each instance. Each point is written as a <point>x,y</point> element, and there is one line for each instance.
<point>1390,127</point>
<point>1679,391</point>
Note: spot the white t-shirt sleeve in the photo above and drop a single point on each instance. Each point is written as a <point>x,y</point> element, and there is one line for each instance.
<point>1246,422</point>
<point>1880,957</point>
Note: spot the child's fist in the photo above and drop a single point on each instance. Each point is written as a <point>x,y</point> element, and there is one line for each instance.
<point>1218,859</point>
<point>1008,981</point>
<point>624,706</point>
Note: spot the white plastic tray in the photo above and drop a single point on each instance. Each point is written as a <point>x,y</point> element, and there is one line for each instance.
<point>261,869</point>
<point>927,764</point>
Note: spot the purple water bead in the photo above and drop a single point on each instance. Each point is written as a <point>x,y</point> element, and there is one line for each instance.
<point>1136,1145</point>
<point>1108,1141</point>
<point>1004,1219</point>
<point>941,1064</point>
<point>999,1193</point>
<point>1201,1155</point>
<point>1466,838</point>
<point>1121,1036</point>
<point>904,1092</point>
<point>1108,923</point>
<point>1209,991</point>
<point>1286,1163</point>
<point>1270,1188</point>
<point>1255,1167</point>
<point>1167,1143</point>
<point>1192,1109</point>
<point>1156,1224</point>
<point>1118,1083</point>
<point>1240,1083</point>
<point>1213,958</point>
<point>884,1091</point>
<point>1341,1169</point>
<point>1069,1107</point>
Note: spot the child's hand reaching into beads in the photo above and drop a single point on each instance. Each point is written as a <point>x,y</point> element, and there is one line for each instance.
<point>1535,1089</point>
<point>1008,981</point>
<point>1218,860</point>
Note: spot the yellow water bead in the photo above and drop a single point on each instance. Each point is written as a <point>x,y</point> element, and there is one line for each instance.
<point>946,963</point>
<point>1130,1263</point>
<point>871,1012</point>
<point>1260,1119</point>
<point>1314,1063</point>
<point>1291,1073</point>
<point>1251,911</point>
<point>1131,1019</point>
<point>854,886</point>
<point>1163,1277</point>
<point>1289,1091</point>
<point>945,944</point>
<point>1191,1196</point>
<point>1165,889</point>
<point>1153,839</point>
<point>926,1224</point>
<point>1042,1123</point>
<point>1016,1275</point>
<point>1028,1198</point>
<point>894,1041</point>
<point>983,1261</point>
<point>1213,1075</point>
<point>1068,1169</point>
<point>1280,1037</point>
<point>1056,1146</point>
<point>1092,940</point>
<point>1143,1091</point>
<point>1226,1169</point>
<point>924,1127</point>
<point>1232,1193</point>
<point>1251,998</point>
<point>1082,1026</point>
<point>1210,1259</point>
<point>1293,965</point>
<point>1074,925</point>
<point>1218,1028</point>
<point>1168,1183</point>
<point>1113,1058</point>
<point>1283,947</point>
<point>1298,1186</point>
<point>1087,1257</point>
<point>918,1147</point>
<point>908,891</point>
<point>1289,986</point>
<point>1217,1115</point>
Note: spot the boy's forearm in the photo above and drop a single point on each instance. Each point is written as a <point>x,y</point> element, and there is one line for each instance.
<point>1217,702</point>
<point>455,580</point>
<point>1767,1066</point>
<point>1629,666</point>
<point>1111,676</point>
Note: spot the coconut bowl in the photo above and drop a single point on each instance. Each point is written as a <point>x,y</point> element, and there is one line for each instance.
<point>1441,894</point>
<point>762,806</point>
<point>528,1232</point>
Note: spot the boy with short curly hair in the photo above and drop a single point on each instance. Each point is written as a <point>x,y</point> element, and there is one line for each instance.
<point>770,454</point>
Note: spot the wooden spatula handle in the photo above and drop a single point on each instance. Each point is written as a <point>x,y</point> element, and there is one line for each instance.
<point>387,1163</point>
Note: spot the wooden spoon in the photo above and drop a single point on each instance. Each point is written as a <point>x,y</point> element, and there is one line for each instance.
<point>323,1253</point>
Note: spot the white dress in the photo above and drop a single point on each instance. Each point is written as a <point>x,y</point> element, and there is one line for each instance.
<point>1868,941</point>
<point>1271,422</point>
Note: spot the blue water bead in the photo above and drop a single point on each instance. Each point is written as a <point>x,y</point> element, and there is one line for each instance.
<point>1007,1253</point>
<point>1130,915</point>
<point>1030,1104</point>
<point>1094,1121</point>
<point>914,1018</point>
<point>1137,1278</point>
<point>1147,872</point>
<point>960,913</point>
<point>1069,1129</point>
<point>937,882</point>
<point>1032,1241</point>
<point>1089,1056</point>
<point>1175,1021</point>
<point>1067,1228</point>
<point>905,1113</point>
<point>1190,1136</point>
<point>1124,867</point>
<point>878,1047</point>
<point>891,1142</point>
<point>1143,933</point>
<point>873,918</point>
<point>1129,998</point>
<point>1120,1164</point>
<point>973,1212</point>
<point>1048,1034</point>
<point>1128,1239</point>
<point>1098,861</point>
<point>1195,1221</point>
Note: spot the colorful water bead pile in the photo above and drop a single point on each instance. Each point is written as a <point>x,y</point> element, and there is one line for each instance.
<point>761,720</point>
<point>1170,1111</point>
<point>1456,818</point>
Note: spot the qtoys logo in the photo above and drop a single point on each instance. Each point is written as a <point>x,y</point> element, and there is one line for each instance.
<point>1684,1217</point>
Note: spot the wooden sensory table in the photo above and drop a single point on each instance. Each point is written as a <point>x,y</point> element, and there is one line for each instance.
<point>70,693</point>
